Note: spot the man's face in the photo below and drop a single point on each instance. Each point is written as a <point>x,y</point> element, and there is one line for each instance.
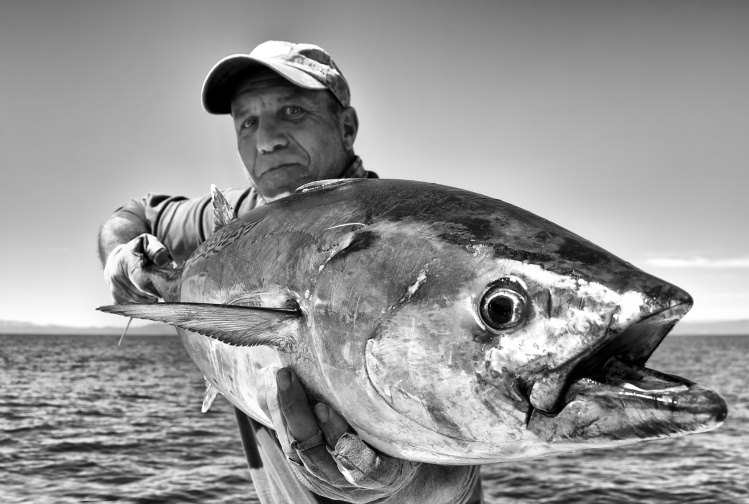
<point>287,136</point>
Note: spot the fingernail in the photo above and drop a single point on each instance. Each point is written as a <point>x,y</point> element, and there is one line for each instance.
<point>283,379</point>
<point>322,412</point>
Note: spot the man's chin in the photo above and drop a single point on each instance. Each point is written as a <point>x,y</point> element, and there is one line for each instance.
<point>277,183</point>
<point>278,196</point>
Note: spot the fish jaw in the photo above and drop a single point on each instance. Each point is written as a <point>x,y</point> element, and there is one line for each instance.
<point>611,398</point>
<point>629,404</point>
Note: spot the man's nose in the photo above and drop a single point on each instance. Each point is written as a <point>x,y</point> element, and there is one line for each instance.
<point>270,136</point>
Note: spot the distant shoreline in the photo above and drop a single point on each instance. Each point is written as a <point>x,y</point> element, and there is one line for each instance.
<point>91,334</point>
<point>11,328</point>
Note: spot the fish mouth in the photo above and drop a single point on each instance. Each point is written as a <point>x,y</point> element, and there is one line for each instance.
<point>609,395</point>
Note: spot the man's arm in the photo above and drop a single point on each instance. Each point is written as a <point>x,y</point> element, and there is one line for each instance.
<point>153,231</point>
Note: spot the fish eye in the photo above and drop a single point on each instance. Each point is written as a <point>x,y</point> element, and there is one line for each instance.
<point>503,305</point>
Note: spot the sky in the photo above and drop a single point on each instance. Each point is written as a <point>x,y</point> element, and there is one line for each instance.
<point>625,122</point>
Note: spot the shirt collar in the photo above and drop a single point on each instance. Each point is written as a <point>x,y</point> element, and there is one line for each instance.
<point>355,169</point>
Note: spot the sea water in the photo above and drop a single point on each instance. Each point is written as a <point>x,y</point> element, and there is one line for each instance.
<point>83,420</point>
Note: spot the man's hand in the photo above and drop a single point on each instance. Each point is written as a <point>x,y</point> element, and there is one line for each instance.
<point>124,269</point>
<point>332,461</point>
<point>326,455</point>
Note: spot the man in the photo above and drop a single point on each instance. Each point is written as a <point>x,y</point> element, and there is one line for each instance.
<point>290,105</point>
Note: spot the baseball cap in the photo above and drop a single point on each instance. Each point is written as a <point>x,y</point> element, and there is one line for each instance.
<point>306,65</point>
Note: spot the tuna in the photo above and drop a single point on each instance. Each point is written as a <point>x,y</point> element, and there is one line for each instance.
<point>446,326</point>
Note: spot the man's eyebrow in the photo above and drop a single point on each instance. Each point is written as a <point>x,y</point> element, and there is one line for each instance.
<point>297,94</point>
<point>240,111</point>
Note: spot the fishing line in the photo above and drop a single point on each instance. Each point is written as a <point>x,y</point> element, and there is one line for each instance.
<point>125,331</point>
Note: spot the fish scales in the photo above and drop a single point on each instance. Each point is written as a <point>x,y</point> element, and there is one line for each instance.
<point>445,326</point>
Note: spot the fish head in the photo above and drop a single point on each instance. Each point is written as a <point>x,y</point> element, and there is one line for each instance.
<point>505,333</point>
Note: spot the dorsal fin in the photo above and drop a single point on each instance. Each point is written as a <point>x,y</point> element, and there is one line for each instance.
<point>233,325</point>
<point>325,184</point>
<point>223,213</point>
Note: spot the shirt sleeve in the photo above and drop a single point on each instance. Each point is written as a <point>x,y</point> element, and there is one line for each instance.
<point>181,223</point>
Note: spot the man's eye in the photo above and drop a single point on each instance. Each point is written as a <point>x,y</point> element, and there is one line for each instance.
<point>293,111</point>
<point>249,123</point>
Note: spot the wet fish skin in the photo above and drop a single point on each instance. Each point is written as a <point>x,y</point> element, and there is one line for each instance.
<point>382,283</point>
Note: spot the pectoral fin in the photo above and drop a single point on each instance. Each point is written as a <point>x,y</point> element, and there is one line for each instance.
<point>233,325</point>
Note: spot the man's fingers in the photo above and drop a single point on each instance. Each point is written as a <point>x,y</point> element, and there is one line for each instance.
<point>142,282</point>
<point>331,423</point>
<point>270,401</point>
<point>364,467</point>
<point>122,283</point>
<point>160,256</point>
<point>300,421</point>
<point>127,273</point>
<point>150,249</point>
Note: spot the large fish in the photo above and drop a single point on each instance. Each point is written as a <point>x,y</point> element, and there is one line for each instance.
<point>445,326</point>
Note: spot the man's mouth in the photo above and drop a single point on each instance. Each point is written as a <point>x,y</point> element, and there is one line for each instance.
<point>278,167</point>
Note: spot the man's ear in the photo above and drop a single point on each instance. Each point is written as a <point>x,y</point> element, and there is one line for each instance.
<point>348,125</point>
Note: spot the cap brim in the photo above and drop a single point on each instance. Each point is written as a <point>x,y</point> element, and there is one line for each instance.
<point>219,85</point>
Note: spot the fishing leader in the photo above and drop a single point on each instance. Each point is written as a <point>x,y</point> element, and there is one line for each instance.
<point>291,109</point>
